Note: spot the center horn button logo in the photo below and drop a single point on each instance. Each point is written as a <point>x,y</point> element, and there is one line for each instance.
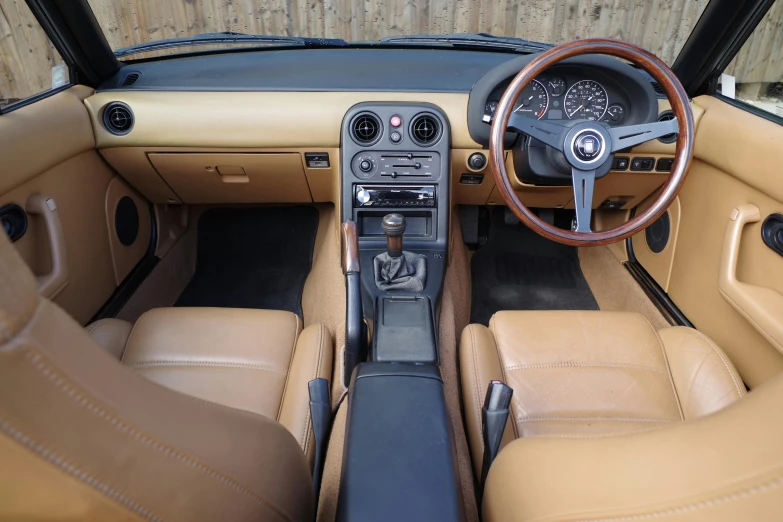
<point>588,145</point>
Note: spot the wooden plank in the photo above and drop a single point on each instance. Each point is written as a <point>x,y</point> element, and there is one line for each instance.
<point>662,26</point>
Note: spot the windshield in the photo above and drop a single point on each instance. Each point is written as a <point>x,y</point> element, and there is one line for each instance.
<point>661,26</point>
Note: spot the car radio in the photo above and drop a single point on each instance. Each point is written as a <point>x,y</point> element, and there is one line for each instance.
<point>394,196</point>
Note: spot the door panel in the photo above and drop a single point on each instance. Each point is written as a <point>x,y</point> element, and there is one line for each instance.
<point>48,148</point>
<point>737,161</point>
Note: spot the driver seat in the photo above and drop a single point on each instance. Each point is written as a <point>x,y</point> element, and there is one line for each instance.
<point>597,408</point>
<point>591,374</point>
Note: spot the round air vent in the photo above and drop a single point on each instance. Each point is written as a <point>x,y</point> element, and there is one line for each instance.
<point>425,129</point>
<point>118,118</point>
<point>366,128</point>
<point>666,116</point>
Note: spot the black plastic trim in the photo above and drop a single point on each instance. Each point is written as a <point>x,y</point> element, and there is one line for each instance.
<point>74,31</point>
<point>660,299</point>
<point>774,118</point>
<point>17,217</point>
<point>34,98</point>
<point>720,32</point>
<point>772,232</point>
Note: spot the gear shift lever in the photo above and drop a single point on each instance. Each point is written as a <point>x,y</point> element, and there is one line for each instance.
<point>395,269</point>
<point>393,225</point>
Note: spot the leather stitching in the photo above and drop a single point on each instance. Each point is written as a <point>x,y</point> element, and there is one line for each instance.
<point>307,435</point>
<point>572,364</point>
<point>217,364</point>
<point>726,364</point>
<point>290,365</point>
<point>72,470</point>
<point>38,363</point>
<point>499,352</point>
<point>476,380</point>
<point>600,419</point>
<point>688,508</point>
<point>666,363</point>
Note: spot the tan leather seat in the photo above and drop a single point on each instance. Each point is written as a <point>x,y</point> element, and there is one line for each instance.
<point>591,374</point>
<point>598,400</point>
<point>83,437</point>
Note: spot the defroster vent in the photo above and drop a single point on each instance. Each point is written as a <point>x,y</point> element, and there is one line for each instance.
<point>366,128</point>
<point>118,118</point>
<point>425,129</point>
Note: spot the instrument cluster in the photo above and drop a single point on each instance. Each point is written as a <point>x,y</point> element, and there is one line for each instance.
<point>563,96</point>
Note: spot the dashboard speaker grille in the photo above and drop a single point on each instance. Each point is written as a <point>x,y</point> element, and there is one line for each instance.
<point>118,118</point>
<point>366,128</point>
<point>425,129</point>
<point>666,116</point>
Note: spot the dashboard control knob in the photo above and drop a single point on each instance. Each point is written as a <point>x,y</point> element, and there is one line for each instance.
<point>362,197</point>
<point>365,166</point>
<point>396,137</point>
<point>417,165</point>
<point>477,161</point>
<point>395,121</point>
<point>394,174</point>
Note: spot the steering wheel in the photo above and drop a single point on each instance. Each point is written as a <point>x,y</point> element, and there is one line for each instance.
<point>590,145</point>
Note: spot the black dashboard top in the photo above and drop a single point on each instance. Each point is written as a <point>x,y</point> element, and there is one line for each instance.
<point>411,70</point>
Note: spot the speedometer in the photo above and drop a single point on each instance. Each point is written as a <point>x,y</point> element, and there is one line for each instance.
<point>533,100</point>
<point>586,100</point>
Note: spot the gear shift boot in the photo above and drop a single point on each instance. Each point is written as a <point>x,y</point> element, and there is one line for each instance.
<point>396,269</point>
<point>407,272</point>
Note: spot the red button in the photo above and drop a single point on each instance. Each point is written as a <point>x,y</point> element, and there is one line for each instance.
<point>395,121</point>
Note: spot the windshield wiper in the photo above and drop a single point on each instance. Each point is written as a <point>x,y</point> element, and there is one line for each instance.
<point>228,38</point>
<point>482,40</point>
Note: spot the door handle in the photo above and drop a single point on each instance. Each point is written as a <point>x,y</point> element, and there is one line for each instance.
<point>51,284</point>
<point>762,307</point>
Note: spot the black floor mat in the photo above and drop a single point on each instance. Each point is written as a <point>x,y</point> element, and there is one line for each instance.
<point>253,258</point>
<point>519,270</point>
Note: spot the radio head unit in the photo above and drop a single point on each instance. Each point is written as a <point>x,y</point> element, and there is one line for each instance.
<point>394,196</point>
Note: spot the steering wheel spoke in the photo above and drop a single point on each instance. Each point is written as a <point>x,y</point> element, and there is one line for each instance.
<point>584,182</point>
<point>632,135</point>
<point>551,133</point>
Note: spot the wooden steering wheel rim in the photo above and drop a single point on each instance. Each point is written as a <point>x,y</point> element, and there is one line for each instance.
<point>682,158</point>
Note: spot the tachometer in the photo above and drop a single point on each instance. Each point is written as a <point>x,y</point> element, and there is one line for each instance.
<point>586,100</point>
<point>533,100</point>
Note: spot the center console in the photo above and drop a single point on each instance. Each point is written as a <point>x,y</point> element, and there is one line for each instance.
<point>396,160</point>
<point>399,460</point>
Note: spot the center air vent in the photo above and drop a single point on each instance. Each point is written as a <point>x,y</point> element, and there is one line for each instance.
<point>425,129</point>
<point>667,116</point>
<point>366,128</point>
<point>118,118</point>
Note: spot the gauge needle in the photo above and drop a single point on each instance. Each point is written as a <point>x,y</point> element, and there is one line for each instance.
<point>581,106</point>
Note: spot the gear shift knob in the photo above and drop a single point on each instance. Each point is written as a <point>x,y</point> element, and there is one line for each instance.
<point>393,225</point>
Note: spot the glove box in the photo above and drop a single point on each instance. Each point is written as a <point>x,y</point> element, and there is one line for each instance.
<point>234,177</point>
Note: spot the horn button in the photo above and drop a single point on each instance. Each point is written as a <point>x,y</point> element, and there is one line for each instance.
<point>587,146</point>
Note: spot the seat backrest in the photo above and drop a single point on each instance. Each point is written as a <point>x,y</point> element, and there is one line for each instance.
<point>84,438</point>
<point>721,467</point>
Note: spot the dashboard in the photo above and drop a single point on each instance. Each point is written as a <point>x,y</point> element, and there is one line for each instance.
<point>281,118</point>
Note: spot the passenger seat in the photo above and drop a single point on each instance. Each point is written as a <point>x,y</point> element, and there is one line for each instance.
<point>253,360</point>
<point>83,437</point>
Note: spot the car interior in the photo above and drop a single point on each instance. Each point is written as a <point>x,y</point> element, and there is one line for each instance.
<point>455,277</point>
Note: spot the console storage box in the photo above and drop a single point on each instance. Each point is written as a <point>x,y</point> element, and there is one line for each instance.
<point>234,177</point>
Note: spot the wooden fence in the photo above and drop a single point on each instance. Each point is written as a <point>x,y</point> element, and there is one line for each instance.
<point>662,26</point>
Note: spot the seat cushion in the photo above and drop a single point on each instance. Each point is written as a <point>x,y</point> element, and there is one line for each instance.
<point>111,334</point>
<point>591,374</point>
<point>253,360</point>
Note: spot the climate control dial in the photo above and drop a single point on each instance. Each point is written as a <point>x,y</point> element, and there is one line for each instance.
<point>363,165</point>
